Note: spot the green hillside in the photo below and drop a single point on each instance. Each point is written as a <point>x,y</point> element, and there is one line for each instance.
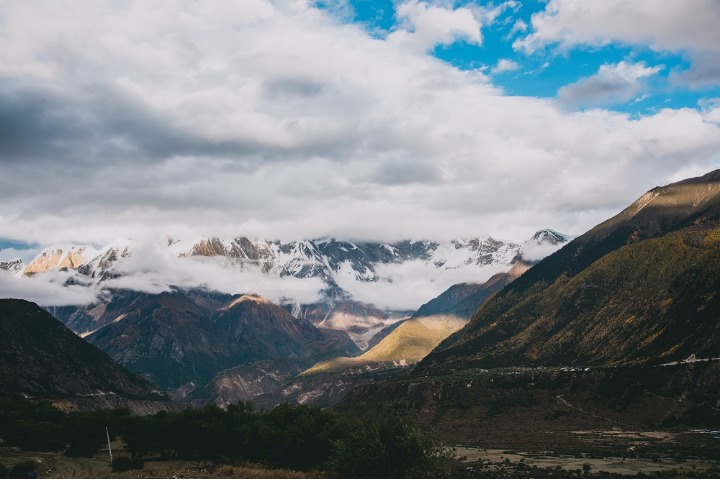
<point>641,288</point>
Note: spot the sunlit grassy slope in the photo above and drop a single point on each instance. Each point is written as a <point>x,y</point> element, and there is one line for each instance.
<point>407,344</point>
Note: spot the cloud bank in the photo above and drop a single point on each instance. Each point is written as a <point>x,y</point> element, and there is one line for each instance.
<point>278,120</point>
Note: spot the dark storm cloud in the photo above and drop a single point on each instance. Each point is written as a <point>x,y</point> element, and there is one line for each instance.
<point>39,124</point>
<point>36,122</point>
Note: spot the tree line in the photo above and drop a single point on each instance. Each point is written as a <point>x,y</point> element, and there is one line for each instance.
<point>387,444</point>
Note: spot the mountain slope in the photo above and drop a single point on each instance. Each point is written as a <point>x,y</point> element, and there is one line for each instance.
<point>640,288</point>
<point>463,299</point>
<point>163,337</point>
<point>395,349</point>
<point>179,337</point>
<point>42,358</point>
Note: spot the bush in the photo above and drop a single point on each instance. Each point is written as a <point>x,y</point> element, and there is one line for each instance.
<point>124,463</point>
<point>24,469</point>
<point>389,446</point>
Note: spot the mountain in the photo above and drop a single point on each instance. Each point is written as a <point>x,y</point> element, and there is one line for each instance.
<point>407,344</point>
<point>41,358</point>
<point>15,266</point>
<point>616,331</point>
<point>360,320</point>
<point>394,350</point>
<point>463,299</point>
<point>181,337</point>
<point>639,289</point>
<point>60,256</point>
<point>328,258</point>
<point>336,270</point>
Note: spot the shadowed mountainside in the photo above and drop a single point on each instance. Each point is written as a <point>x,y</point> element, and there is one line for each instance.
<point>41,358</point>
<point>175,338</point>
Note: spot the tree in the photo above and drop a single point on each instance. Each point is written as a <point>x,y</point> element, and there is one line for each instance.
<point>389,445</point>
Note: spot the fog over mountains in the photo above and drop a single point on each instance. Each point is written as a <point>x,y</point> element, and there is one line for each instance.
<point>395,276</point>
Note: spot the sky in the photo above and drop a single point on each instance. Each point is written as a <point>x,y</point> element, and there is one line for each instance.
<point>359,119</point>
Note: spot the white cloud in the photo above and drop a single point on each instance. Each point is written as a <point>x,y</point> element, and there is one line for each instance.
<point>46,289</point>
<point>423,26</point>
<point>276,120</point>
<point>153,268</point>
<point>674,25</point>
<point>519,26</point>
<point>505,65</point>
<point>409,285</point>
<point>612,84</point>
<point>710,108</point>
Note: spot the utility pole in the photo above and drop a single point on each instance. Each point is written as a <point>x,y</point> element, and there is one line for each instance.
<point>108,439</point>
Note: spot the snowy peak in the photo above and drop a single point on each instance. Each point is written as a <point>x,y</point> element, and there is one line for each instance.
<point>327,257</point>
<point>15,265</point>
<point>549,236</point>
<point>60,256</point>
<point>543,243</point>
<point>105,260</point>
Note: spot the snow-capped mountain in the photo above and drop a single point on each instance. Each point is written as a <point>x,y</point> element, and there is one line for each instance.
<point>15,266</point>
<point>358,287</point>
<point>330,258</point>
<point>60,256</point>
<point>100,267</point>
<point>542,244</point>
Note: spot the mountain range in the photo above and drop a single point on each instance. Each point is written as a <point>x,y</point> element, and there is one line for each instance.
<point>618,327</point>
<point>206,346</point>
<point>332,272</point>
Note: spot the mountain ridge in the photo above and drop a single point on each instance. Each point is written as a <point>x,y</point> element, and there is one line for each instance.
<point>41,358</point>
<point>622,287</point>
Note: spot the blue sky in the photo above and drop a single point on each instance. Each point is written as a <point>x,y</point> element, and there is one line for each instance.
<point>544,72</point>
<point>359,119</point>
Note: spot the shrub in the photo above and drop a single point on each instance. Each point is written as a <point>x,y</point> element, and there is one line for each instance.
<point>124,463</point>
<point>388,446</point>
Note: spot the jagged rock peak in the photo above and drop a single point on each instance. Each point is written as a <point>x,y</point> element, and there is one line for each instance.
<point>550,236</point>
<point>15,265</point>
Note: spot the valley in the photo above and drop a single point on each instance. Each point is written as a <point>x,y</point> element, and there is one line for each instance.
<point>599,360</point>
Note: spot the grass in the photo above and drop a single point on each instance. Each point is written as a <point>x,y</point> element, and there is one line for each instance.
<point>56,465</point>
<point>407,344</point>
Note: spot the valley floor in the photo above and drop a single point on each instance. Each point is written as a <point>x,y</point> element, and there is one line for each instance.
<point>56,465</point>
<point>598,454</point>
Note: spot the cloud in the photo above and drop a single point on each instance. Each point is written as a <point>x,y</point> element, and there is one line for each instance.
<point>612,84</point>
<point>710,108</point>
<point>277,120</point>
<point>47,289</point>
<point>423,26</point>
<point>409,285</point>
<point>504,65</point>
<point>687,26</point>
<point>152,268</point>
<point>520,26</point>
